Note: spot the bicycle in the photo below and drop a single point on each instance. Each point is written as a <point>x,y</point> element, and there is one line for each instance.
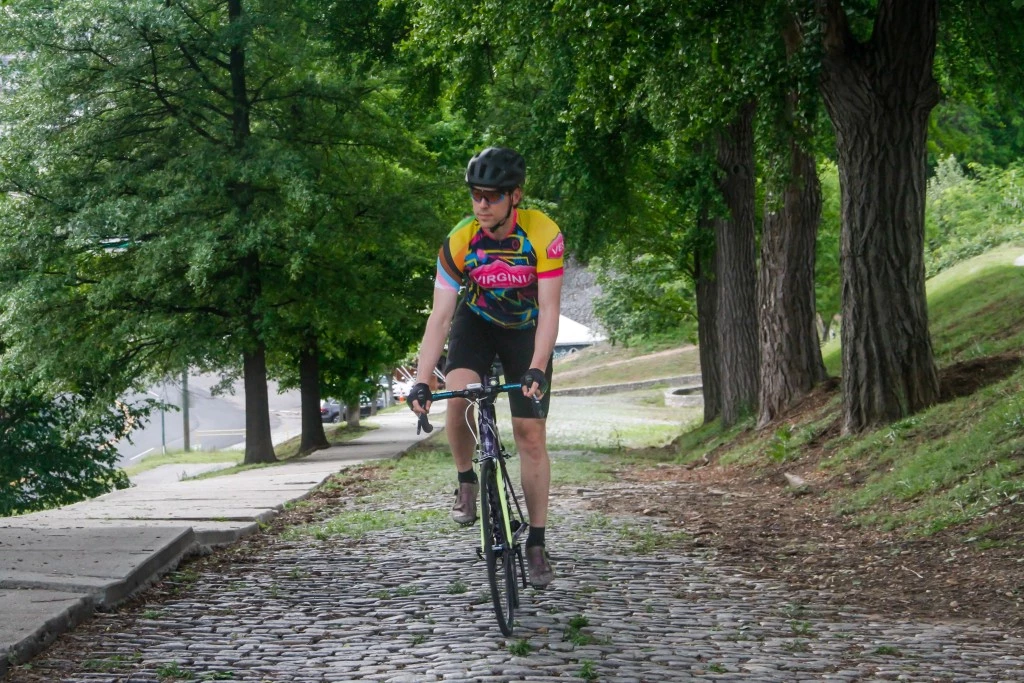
<point>501,518</point>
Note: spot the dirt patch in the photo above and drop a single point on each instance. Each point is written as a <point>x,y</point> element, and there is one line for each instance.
<point>778,533</point>
<point>963,379</point>
<point>756,516</point>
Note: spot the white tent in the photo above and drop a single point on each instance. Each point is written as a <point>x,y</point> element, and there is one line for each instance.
<point>573,335</point>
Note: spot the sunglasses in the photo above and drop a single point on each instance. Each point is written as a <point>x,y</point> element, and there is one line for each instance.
<point>489,196</point>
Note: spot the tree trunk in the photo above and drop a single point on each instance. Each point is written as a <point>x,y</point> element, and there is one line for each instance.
<point>707,334</point>
<point>736,270</point>
<point>790,348</point>
<point>353,414</point>
<point>879,95</point>
<point>259,445</point>
<point>313,436</point>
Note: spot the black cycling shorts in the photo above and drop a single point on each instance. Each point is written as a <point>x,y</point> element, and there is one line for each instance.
<point>474,343</point>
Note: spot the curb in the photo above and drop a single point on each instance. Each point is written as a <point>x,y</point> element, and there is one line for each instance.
<point>110,593</point>
<point>64,619</point>
<point>76,601</point>
<point>86,598</point>
<point>628,386</point>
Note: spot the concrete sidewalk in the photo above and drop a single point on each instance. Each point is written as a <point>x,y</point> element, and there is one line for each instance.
<point>57,567</point>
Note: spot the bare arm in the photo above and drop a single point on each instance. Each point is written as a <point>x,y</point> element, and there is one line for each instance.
<point>434,335</point>
<point>549,296</point>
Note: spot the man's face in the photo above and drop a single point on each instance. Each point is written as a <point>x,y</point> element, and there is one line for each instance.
<point>491,205</point>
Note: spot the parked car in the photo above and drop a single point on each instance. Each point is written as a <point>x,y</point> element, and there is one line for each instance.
<point>332,411</point>
<point>364,404</point>
<point>400,389</point>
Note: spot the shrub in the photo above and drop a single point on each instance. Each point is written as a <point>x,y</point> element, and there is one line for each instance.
<point>644,296</point>
<point>57,451</point>
<point>969,212</point>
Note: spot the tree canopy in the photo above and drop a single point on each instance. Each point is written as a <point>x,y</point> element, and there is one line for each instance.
<point>187,179</point>
<point>258,188</point>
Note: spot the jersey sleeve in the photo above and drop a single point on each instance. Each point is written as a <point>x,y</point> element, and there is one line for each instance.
<point>451,257</point>
<point>550,246</point>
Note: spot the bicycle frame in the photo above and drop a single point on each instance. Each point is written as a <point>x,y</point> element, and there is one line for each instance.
<point>502,524</point>
<point>489,448</point>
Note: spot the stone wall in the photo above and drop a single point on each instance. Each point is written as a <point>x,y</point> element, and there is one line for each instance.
<point>578,291</point>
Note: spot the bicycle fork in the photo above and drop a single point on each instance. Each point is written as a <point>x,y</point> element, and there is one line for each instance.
<point>509,526</point>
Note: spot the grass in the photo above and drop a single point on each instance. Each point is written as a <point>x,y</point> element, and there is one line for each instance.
<point>947,465</point>
<point>973,309</point>
<point>974,465</point>
<point>959,460</point>
<point>611,422</point>
<point>580,469</point>
<point>174,671</point>
<point>110,663</point>
<point>418,479</point>
<point>574,631</point>
<point>646,540</point>
<point>284,451</point>
<point>355,524</point>
<point>952,463</point>
<point>588,670</point>
<point>335,433</point>
<point>415,479</point>
<point>606,364</point>
<point>665,357</point>
<point>183,458</point>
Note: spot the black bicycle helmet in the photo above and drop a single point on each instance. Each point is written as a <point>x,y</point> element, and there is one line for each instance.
<point>497,167</point>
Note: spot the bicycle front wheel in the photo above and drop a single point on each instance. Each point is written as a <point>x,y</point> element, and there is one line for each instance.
<point>499,551</point>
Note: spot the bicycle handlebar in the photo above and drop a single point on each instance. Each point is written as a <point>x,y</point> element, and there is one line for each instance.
<point>473,392</point>
<point>476,391</point>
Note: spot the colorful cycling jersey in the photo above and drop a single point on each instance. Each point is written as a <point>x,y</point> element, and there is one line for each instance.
<point>500,276</point>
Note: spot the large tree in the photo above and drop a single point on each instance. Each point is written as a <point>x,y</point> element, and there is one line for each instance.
<point>790,353</point>
<point>599,95</point>
<point>736,269</point>
<point>879,91</point>
<point>166,160</point>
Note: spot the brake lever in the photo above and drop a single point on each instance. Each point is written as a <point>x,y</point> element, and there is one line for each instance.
<point>424,424</point>
<point>538,411</point>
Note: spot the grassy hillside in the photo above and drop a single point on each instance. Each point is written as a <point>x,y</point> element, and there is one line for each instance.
<point>606,364</point>
<point>963,459</point>
<point>961,462</point>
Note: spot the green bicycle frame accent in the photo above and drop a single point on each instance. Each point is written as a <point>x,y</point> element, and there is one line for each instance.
<point>499,482</point>
<point>488,451</point>
<point>503,555</point>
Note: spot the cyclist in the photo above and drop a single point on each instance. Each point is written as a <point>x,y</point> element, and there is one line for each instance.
<point>498,293</point>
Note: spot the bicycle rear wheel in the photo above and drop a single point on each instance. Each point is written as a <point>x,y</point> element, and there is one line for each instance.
<point>499,552</point>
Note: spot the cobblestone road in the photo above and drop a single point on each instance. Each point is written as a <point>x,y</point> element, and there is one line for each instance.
<point>411,606</point>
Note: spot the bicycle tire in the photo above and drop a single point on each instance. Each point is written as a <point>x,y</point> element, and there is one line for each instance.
<point>517,526</point>
<point>499,553</point>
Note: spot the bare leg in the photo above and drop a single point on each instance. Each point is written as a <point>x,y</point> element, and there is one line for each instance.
<point>460,437</point>
<point>531,440</point>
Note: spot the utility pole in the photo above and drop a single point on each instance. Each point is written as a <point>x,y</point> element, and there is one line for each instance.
<point>184,408</point>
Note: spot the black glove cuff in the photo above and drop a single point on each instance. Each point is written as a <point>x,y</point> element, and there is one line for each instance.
<point>420,393</point>
<point>535,375</point>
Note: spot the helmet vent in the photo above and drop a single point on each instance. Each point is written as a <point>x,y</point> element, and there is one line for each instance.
<point>498,167</point>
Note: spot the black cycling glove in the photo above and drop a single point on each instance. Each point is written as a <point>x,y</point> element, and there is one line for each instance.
<point>535,375</point>
<point>420,393</point>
